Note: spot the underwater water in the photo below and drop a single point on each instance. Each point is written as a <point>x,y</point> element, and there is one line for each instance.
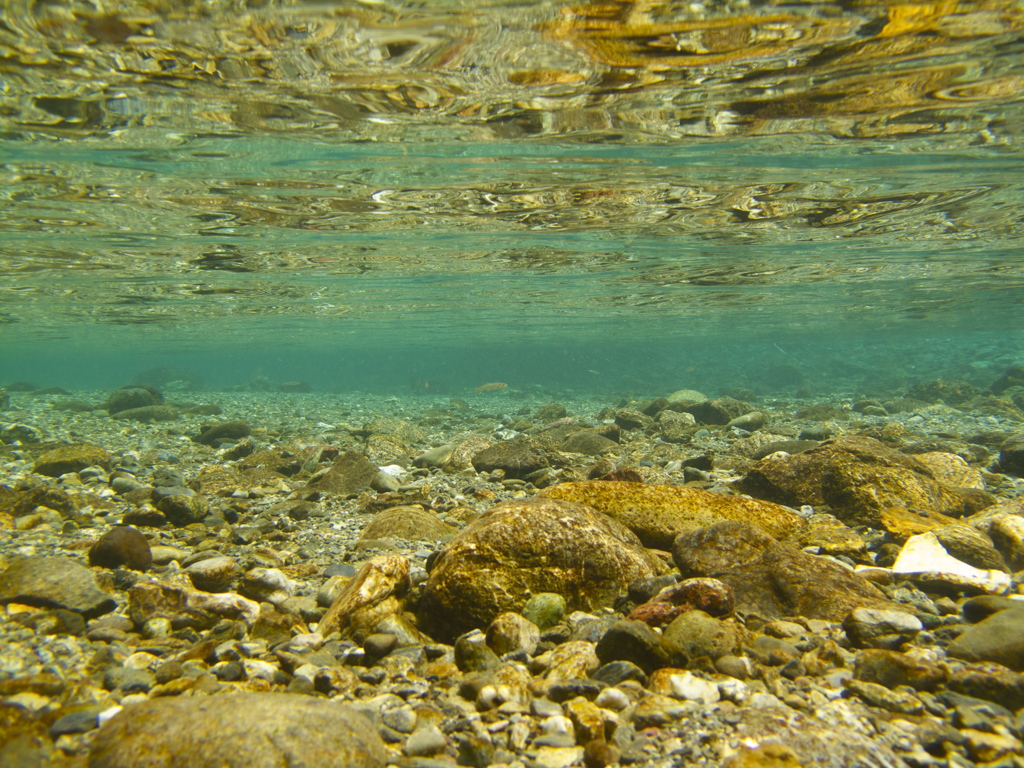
<point>605,198</point>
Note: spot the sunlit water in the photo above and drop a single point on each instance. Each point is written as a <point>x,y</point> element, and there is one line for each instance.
<point>615,197</point>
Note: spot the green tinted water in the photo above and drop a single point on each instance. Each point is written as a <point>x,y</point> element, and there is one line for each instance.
<point>613,197</point>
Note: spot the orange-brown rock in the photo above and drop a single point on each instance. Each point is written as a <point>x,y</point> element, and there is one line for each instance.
<point>521,548</point>
<point>659,513</point>
<point>859,478</point>
<point>378,590</point>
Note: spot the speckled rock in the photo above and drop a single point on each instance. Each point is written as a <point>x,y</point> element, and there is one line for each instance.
<point>410,522</point>
<point>892,669</point>
<point>590,444</point>
<point>721,410</point>
<point>54,582</point>
<point>378,590</point>
<point>148,413</point>
<point>969,546</point>
<point>772,579</point>
<point>247,730</point>
<point>951,469</point>
<point>516,458</point>
<point>351,473</point>
<point>71,458</point>
<point>182,510</point>
<point>121,546</point>
<point>520,548</point>
<point>659,513</point>
<point>214,574</point>
<point>858,477</point>
<point>697,634</point>
<point>179,603</point>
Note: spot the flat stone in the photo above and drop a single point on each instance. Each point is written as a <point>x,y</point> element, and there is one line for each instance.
<point>923,559</point>
<point>659,513</point>
<point>54,582</point>
<point>877,628</point>
<point>245,730</point>
<point>71,458</point>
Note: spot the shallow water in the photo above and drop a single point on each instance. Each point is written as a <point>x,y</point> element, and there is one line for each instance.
<point>625,197</point>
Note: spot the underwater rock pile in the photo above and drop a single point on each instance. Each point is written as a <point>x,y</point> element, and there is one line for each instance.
<point>294,578</point>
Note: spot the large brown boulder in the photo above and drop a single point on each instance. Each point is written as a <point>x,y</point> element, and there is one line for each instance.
<point>772,579</point>
<point>659,513</point>
<point>859,478</point>
<point>521,548</point>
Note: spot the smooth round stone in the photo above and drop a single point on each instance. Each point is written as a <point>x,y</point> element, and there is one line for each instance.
<point>214,574</point>
<point>380,644</point>
<point>121,546</point>
<point>424,742</point>
<point>473,655</point>
<point>545,609</point>
<point>245,730</point>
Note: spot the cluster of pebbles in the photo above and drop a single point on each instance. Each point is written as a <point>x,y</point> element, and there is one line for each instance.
<point>300,579</point>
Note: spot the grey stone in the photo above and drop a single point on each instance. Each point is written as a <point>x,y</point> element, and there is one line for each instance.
<point>246,730</point>
<point>999,638</point>
<point>873,628</point>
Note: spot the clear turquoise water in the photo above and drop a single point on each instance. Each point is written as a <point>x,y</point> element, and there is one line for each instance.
<point>386,197</point>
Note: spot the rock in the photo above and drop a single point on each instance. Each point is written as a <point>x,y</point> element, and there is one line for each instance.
<point>520,548</point>
<point>831,537</point>
<point>659,513</point>
<point>1007,535</point>
<point>182,510</point>
<point>127,398</point>
<point>749,422</point>
<point>767,755</point>
<point>676,427</point>
<point>697,635</point>
<point>772,579</point>
<point>511,633</point>
<point>892,669</point>
<point>589,444</point>
<point>184,606</point>
<point>545,609</point>
<point>267,585</point>
<point>1011,455</point>
<point>228,431</point>
<point>121,546</point>
<point>968,545</point>
<point>876,628</point>
<point>351,473</point>
<point>71,458</point>
<point>636,643</point>
<point>952,392</point>
<point>54,582</point>
<point>951,469</point>
<point>409,522</point>
<point>378,590</point>
<point>721,410</point>
<point>516,458</point>
<point>214,574</point>
<point>254,730</point>
<point>1012,377</point>
<point>687,396</point>
<point>858,478</point>
<point>998,638</point>
<point>991,682</point>
<point>924,560</point>
<point>149,413</point>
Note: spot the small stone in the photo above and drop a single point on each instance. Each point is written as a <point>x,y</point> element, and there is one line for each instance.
<point>512,633</point>
<point>71,458</point>
<point>473,655</point>
<point>267,585</point>
<point>121,546</point>
<point>425,741</point>
<point>214,574</point>
<point>544,609</point>
<point>877,628</point>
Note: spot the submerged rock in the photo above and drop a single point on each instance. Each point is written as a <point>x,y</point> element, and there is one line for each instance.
<point>772,579</point>
<point>54,582</point>
<point>521,548</point>
<point>72,458</point>
<point>659,513</point>
<point>858,478</point>
<point>245,730</point>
